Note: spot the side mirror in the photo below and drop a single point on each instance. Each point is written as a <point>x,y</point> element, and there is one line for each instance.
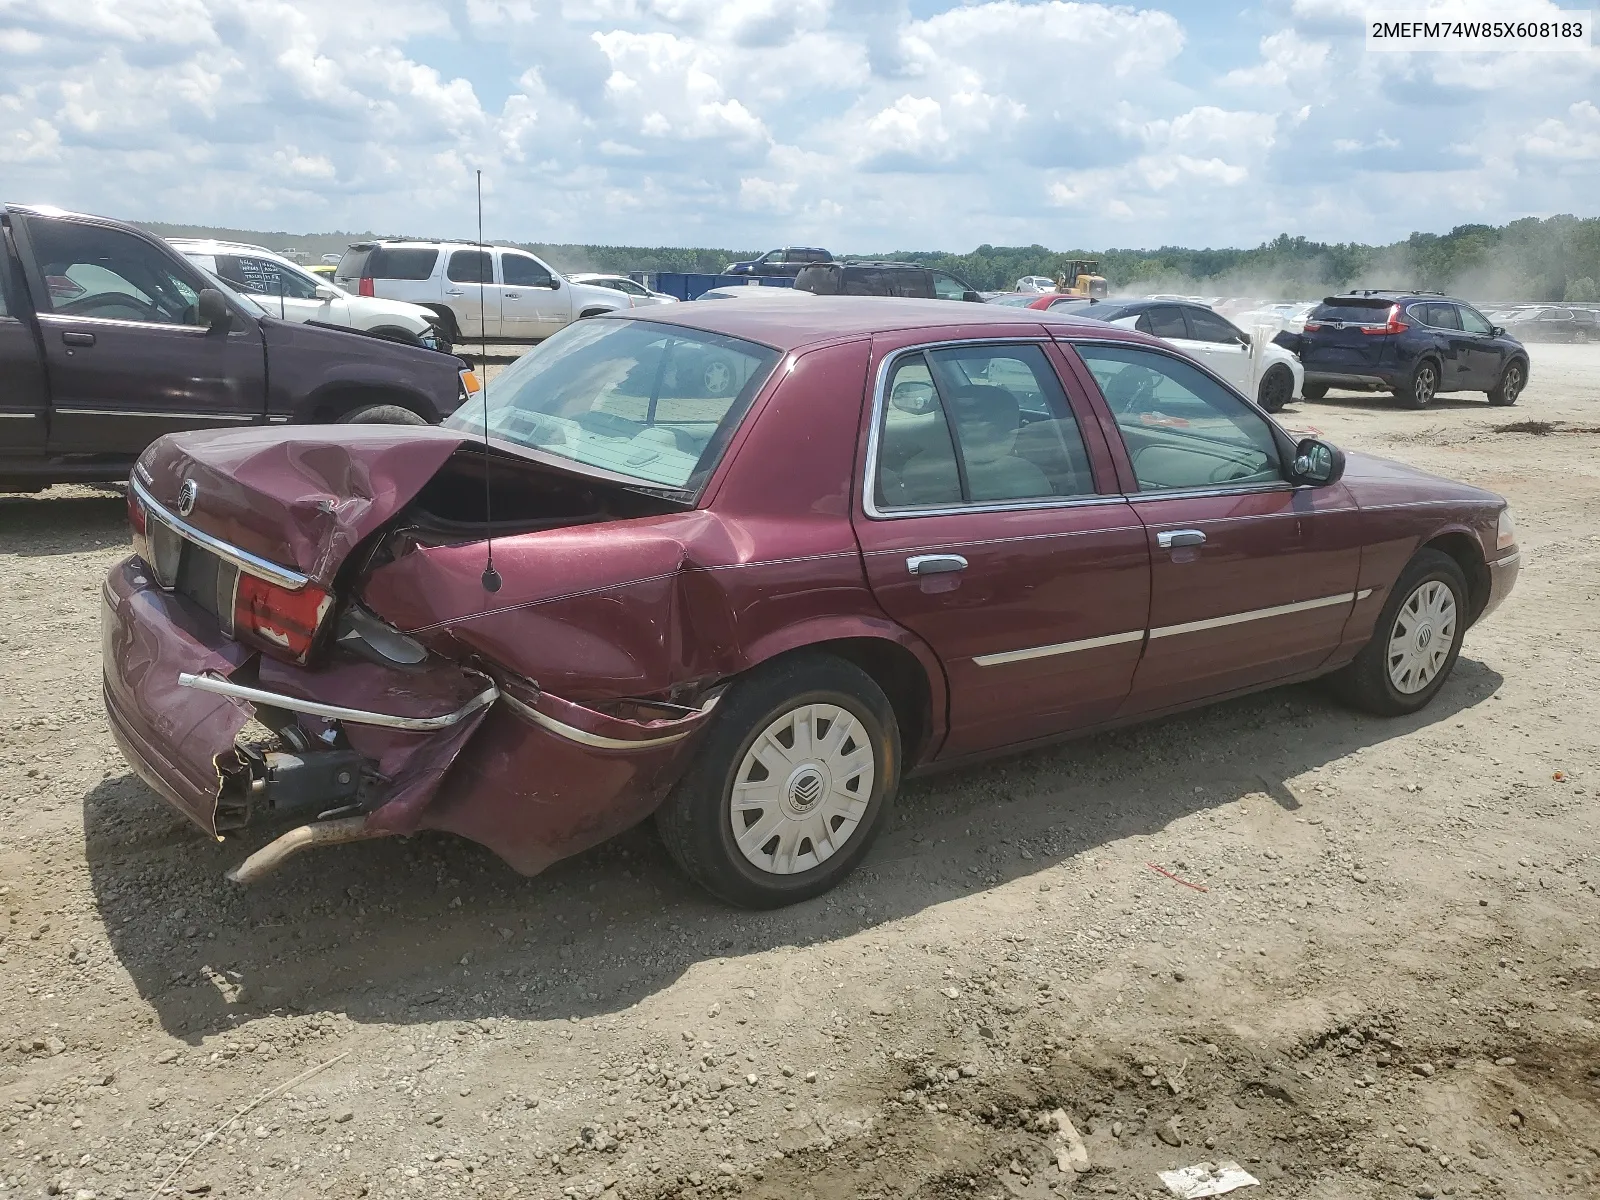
<point>1317,462</point>
<point>1244,338</point>
<point>971,297</point>
<point>1497,331</point>
<point>327,292</point>
<point>214,311</point>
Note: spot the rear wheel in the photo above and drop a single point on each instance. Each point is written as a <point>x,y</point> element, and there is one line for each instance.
<point>1277,388</point>
<point>381,414</point>
<point>1314,391</point>
<point>797,775</point>
<point>1581,337</point>
<point>1505,393</point>
<point>1423,386</point>
<point>1415,641</point>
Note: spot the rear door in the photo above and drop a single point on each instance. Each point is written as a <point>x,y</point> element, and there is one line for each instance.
<point>472,292</point>
<point>990,527</point>
<point>24,398</point>
<point>534,302</point>
<point>1251,577</point>
<point>126,357</point>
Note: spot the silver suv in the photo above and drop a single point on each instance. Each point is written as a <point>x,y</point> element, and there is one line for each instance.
<point>493,293</point>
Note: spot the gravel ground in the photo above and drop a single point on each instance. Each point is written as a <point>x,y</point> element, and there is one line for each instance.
<point>1376,973</point>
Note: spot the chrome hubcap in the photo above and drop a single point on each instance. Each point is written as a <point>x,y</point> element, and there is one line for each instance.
<point>1424,632</point>
<point>1425,385</point>
<point>718,378</point>
<point>1513,383</point>
<point>802,789</point>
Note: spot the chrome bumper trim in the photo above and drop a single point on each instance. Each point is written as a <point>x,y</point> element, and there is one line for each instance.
<point>334,712</point>
<point>243,559</point>
<point>1511,560</point>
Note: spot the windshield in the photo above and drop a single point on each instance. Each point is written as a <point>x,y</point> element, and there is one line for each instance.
<point>632,397</point>
<point>1022,301</point>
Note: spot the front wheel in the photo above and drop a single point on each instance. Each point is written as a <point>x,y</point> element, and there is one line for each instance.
<point>381,414</point>
<point>795,779</point>
<point>1505,393</point>
<point>1314,391</point>
<point>1277,388</point>
<point>1415,641</point>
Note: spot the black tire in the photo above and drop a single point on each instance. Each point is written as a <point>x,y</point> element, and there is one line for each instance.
<point>1512,380</point>
<point>1365,682</point>
<point>1276,388</point>
<point>381,414</point>
<point>1422,387</point>
<point>1581,336</point>
<point>1314,391</point>
<point>394,334</point>
<point>696,822</point>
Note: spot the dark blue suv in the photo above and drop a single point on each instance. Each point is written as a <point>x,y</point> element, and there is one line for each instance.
<point>1414,344</point>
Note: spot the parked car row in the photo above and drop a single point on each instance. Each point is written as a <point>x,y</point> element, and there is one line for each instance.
<point>110,338</point>
<point>1056,526</point>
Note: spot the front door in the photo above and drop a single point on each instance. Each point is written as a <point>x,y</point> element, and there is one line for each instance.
<point>1222,347</point>
<point>986,531</point>
<point>1485,353</point>
<point>1251,578</point>
<point>534,304</point>
<point>283,293</point>
<point>24,399</point>
<point>126,357</point>
<point>473,294</point>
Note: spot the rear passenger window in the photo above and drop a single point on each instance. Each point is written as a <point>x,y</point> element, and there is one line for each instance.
<point>412,264</point>
<point>1166,322</point>
<point>470,266</point>
<point>979,424</point>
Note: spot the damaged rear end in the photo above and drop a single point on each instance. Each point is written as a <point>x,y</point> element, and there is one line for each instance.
<point>298,640</point>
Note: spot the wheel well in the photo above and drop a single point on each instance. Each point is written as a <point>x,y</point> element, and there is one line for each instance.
<point>332,405</point>
<point>901,676</point>
<point>1464,548</point>
<point>447,320</point>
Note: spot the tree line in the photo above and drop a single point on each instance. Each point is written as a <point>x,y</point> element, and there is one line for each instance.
<point>1550,259</point>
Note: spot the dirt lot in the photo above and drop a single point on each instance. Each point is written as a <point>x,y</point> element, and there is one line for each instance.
<point>1384,980</point>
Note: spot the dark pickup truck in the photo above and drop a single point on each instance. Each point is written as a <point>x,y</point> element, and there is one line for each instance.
<point>109,338</point>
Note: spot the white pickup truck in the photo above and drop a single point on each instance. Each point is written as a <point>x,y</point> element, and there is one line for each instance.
<point>493,293</point>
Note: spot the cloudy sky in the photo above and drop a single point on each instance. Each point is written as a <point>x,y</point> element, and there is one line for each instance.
<point>856,124</point>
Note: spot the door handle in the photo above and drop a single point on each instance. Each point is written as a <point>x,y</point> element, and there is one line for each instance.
<point>1171,539</point>
<point>455,292</point>
<point>513,295</point>
<point>72,338</point>
<point>935,564</point>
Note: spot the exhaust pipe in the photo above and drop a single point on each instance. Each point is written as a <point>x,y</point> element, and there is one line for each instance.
<point>324,833</point>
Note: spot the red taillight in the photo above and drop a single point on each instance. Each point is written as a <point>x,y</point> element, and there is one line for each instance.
<point>135,514</point>
<point>1312,326</point>
<point>277,619</point>
<point>1394,324</point>
<point>364,288</point>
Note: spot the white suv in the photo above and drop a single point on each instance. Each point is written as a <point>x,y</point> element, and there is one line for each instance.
<point>495,293</point>
<point>293,293</point>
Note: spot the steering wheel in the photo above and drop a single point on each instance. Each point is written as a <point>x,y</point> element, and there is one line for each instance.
<point>88,306</point>
<point>1131,390</point>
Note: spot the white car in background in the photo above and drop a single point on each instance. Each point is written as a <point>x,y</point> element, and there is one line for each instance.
<point>1286,316</point>
<point>1035,283</point>
<point>637,294</point>
<point>1263,370</point>
<point>286,290</point>
<point>496,293</point>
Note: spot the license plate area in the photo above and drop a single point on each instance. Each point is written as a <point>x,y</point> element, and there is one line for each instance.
<point>193,572</point>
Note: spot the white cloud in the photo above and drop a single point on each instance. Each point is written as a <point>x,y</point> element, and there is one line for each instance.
<point>849,123</point>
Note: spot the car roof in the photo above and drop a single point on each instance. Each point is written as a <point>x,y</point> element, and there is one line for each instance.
<point>790,326</point>
<point>204,245</point>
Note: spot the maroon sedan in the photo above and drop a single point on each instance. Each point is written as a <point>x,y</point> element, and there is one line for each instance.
<point>742,567</point>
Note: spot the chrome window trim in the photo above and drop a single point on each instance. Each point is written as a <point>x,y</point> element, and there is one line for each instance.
<point>243,559</point>
<point>869,491</point>
<point>1094,643</point>
<point>161,413</point>
<point>55,318</point>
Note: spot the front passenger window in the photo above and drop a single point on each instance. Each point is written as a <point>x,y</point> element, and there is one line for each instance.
<point>92,271</point>
<point>1470,320</point>
<point>521,271</point>
<point>1182,429</point>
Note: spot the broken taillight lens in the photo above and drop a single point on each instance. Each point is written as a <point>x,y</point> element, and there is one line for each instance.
<point>364,288</point>
<point>1393,325</point>
<point>135,514</point>
<point>278,620</point>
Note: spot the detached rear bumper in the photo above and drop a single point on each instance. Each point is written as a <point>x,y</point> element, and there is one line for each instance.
<point>1378,380</point>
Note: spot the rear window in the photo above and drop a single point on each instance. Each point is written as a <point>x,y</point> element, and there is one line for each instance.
<point>1352,310</point>
<point>390,263</point>
<point>1103,312</point>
